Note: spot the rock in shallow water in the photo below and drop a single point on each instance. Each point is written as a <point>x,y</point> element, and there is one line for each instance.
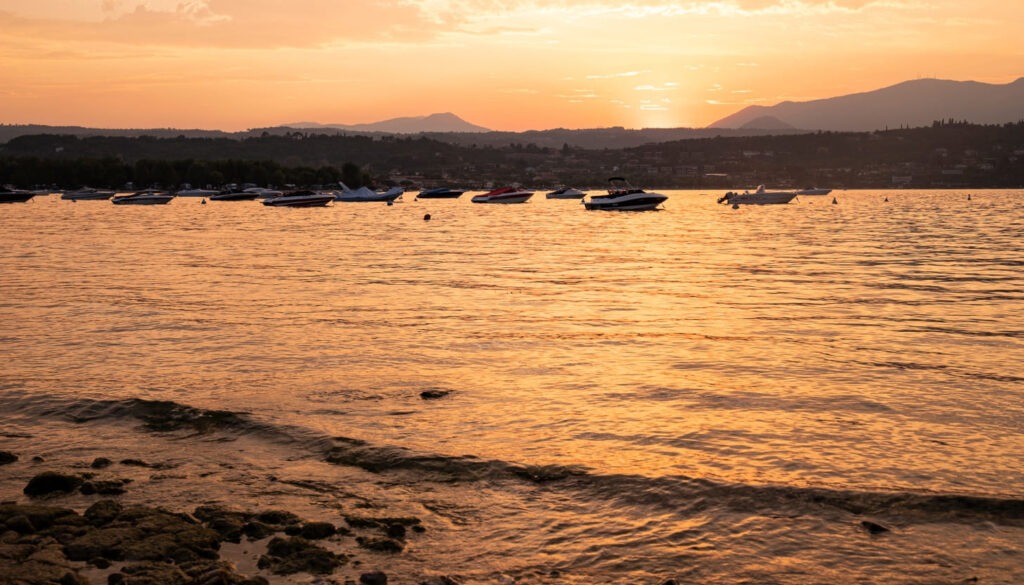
<point>7,457</point>
<point>50,482</point>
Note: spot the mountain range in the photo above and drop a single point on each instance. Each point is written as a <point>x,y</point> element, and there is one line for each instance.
<point>446,122</point>
<point>911,103</point>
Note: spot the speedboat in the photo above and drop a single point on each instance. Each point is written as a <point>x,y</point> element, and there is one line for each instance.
<point>197,193</point>
<point>366,194</point>
<point>234,195</point>
<point>814,191</point>
<point>87,193</point>
<point>300,199</point>
<point>624,197</point>
<point>761,196</point>
<point>147,197</point>
<point>566,193</point>
<point>263,193</point>
<point>504,195</point>
<point>9,195</point>
<point>441,193</point>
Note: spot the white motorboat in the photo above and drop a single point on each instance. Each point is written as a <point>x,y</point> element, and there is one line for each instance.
<point>624,197</point>
<point>363,194</point>
<point>566,193</point>
<point>148,197</point>
<point>300,199</point>
<point>760,196</point>
<point>504,195</point>
<point>814,191</point>
<point>88,193</point>
<point>441,193</point>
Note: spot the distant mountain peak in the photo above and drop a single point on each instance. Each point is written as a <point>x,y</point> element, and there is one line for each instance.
<point>912,103</point>
<point>766,123</point>
<point>439,122</point>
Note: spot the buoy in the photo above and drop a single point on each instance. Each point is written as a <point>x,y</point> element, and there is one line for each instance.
<point>887,199</point>
<point>426,217</point>
<point>968,196</point>
<point>834,202</point>
<point>203,202</point>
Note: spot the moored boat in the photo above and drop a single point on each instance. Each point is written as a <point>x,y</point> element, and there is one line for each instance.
<point>88,194</point>
<point>504,195</point>
<point>566,193</point>
<point>147,197</point>
<point>300,199</point>
<point>624,197</point>
<point>365,194</point>
<point>197,193</point>
<point>760,196</point>
<point>234,195</point>
<point>440,193</point>
<point>814,191</point>
<point>10,195</point>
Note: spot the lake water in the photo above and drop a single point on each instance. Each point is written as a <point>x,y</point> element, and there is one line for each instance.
<point>702,393</point>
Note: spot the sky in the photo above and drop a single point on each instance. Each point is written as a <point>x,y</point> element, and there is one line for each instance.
<point>504,64</point>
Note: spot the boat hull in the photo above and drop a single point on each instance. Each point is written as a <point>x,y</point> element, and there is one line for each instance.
<point>440,194</point>
<point>16,197</point>
<point>511,199</point>
<point>644,202</point>
<point>566,194</point>
<point>240,196</point>
<point>285,201</point>
<point>142,200</point>
<point>87,195</point>
<point>770,198</point>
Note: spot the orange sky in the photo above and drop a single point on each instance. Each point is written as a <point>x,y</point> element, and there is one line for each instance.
<point>503,64</point>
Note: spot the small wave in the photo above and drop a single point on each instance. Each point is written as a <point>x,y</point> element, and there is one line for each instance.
<point>678,494</point>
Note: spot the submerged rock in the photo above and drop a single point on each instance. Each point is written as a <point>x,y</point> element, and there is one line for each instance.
<point>103,512</point>
<point>101,463</point>
<point>874,527</point>
<point>389,545</point>
<point>373,578</point>
<point>434,394</point>
<point>106,487</point>
<point>50,482</point>
<point>286,556</point>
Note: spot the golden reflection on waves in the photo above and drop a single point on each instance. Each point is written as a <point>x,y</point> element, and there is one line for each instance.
<point>862,345</point>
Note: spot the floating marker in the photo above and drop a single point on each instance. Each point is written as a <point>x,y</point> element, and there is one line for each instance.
<point>834,202</point>
<point>426,217</point>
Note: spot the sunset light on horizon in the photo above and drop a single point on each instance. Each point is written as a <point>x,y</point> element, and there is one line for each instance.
<point>505,65</point>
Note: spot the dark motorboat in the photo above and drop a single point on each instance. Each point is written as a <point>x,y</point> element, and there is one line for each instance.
<point>441,193</point>
<point>147,197</point>
<point>234,195</point>
<point>9,195</point>
<point>300,199</point>
<point>624,197</point>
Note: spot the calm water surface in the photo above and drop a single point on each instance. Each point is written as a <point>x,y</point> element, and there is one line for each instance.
<point>709,394</point>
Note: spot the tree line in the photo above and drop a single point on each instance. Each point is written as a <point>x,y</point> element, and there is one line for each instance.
<point>113,173</point>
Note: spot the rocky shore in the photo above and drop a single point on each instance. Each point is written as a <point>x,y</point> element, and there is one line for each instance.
<point>45,543</point>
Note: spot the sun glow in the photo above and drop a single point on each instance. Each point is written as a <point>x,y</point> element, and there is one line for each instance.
<point>512,65</point>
